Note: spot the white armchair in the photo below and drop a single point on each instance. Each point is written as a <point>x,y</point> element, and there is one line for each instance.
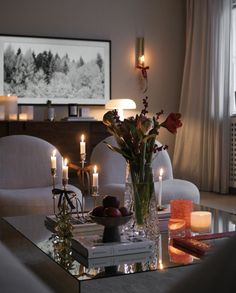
<point>25,176</point>
<point>112,174</point>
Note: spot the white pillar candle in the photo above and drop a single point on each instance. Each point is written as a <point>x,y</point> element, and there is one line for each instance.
<point>95,177</point>
<point>160,188</point>
<point>201,221</point>
<point>53,160</point>
<point>82,145</point>
<point>12,117</point>
<point>65,169</point>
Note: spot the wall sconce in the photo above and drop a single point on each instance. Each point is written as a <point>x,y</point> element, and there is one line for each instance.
<point>120,105</point>
<point>140,59</point>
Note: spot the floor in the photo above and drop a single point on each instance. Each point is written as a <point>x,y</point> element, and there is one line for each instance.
<point>221,201</point>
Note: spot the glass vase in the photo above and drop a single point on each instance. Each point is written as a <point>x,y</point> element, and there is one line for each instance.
<point>143,205</point>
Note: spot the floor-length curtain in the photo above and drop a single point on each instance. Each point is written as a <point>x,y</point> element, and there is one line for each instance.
<point>202,145</point>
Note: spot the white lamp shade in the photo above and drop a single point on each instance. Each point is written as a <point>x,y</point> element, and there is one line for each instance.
<point>120,104</point>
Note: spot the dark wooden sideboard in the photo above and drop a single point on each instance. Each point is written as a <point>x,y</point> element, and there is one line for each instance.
<point>64,135</point>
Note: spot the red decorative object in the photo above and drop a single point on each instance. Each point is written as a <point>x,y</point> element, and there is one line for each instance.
<point>181,209</point>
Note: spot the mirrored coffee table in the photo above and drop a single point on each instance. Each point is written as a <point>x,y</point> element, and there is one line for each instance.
<point>29,240</point>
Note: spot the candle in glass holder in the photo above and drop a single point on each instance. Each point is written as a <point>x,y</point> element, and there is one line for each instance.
<point>82,145</point>
<point>181,209</point>
<point>23,117</point>
<point>53,160</point>
<point>201,221</point>
<point>65,169</point>
<point>95,177</point>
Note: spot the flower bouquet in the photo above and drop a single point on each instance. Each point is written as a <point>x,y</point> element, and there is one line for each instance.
<point>136,142</point>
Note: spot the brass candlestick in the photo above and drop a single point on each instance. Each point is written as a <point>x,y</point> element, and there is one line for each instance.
<point>53,173</point>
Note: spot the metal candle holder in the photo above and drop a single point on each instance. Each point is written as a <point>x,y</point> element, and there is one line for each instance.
<point>53,173</point>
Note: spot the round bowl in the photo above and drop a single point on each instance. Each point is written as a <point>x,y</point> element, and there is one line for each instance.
<point>111,226</point>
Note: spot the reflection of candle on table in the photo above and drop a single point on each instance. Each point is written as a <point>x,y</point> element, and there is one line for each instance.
<point>53,160</point>
<point>95,177</point>
<point>178,256</point>
<point>200,221</point>
<point>176,228</point>
<point>160,254</point>
<point>160,188</point>
<point>82,145</point>
<point>64,169</point>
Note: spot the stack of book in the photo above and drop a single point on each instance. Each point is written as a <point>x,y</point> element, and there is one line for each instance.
<point>91,251</point>
<point>79,228</point>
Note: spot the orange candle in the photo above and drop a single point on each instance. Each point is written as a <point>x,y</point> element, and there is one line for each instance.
<point>181,209</point>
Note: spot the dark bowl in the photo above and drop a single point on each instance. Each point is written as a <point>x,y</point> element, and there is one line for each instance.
<point>111,221</point>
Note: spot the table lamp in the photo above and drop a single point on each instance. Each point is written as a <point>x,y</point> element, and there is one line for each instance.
<point>120,105</point>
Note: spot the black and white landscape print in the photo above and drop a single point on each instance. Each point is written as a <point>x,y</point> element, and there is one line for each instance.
<point>64,71</point>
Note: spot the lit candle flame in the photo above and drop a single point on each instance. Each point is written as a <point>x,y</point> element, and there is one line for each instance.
<point>54,153</point>
<point>161,172</point>
<point>65,162</point>
<point>82,138</point>
<point>95,169</point>
<point>142,59</point>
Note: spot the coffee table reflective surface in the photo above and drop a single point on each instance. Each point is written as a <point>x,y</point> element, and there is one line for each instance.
<point>32,232</point>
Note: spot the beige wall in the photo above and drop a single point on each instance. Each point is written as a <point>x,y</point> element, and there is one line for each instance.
<point>161,22</point>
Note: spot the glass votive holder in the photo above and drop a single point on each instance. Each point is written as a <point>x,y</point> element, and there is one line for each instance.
<point>181,209</point>
<point>201,221</point>
<point>176,228</point>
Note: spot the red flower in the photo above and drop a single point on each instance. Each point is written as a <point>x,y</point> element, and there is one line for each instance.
<point>172,122</point>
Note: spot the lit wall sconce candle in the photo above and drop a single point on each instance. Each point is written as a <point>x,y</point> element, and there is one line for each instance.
<point>53,160</point>
<point>65,169</point>
<point>95,177</point>
<point>82,145</point>
<point>201,221</point>
<point>160,188</point>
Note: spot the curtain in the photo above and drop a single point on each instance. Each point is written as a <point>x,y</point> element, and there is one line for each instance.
<point>201,152</point>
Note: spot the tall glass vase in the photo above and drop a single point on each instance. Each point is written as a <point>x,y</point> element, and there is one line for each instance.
<point>144,205</point>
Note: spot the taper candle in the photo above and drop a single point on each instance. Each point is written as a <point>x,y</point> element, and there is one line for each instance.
<point>95,177</point>
<point>53,160</point>
<point>65,169</point>
<point>82,145</point>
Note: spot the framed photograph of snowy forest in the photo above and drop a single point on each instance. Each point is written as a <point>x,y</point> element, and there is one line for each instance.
<point>61,70</point>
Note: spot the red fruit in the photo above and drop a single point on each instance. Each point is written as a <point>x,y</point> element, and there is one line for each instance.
<point>98,211</point>
<point>124,211</point>
<point>111,201</point>
<point>112,212</point>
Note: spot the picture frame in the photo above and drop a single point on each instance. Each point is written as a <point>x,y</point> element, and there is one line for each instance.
<point>62,70</point>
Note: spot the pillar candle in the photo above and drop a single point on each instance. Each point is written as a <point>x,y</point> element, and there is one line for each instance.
<point>160,188</point>
<point>201,221</point>
<point>181,209</point>
<point>95,177</point>
<point>53,160</point>
<point>65,169</point>
<point>82,145</point>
